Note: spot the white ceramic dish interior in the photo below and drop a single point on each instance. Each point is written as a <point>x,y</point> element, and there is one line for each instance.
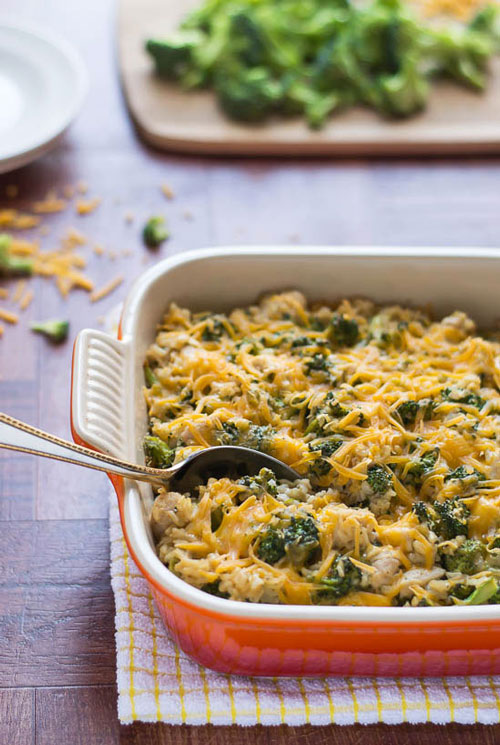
<point>42,87</point>
<point>109,411</point>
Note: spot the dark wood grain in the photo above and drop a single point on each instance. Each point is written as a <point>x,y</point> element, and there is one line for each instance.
<point>56,605</point>
<point>378,734</point>
<point>17,716</point>
<point>76,716</point>
<point>90,710</point>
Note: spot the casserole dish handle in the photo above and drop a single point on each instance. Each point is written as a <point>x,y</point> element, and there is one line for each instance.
<point>99,392</point>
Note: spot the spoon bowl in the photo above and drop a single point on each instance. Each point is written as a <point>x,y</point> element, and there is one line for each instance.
<point>185,476</point>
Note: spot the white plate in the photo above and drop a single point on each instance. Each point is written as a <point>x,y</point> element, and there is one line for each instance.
<point>42,86</point>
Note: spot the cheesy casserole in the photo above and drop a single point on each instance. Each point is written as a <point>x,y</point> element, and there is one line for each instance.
<point>392,421</point>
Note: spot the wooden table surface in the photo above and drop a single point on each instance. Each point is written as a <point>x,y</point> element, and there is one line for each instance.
<point>57,655</point>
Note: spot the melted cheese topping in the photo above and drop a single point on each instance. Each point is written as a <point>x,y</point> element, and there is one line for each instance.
<point>391,419</point>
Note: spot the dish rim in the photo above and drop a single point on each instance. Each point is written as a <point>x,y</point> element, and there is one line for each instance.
<point>169,583</point>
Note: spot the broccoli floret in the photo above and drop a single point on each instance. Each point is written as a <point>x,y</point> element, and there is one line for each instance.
<point>56,331</point>
<point>301,540</point>
<point>467,559</point>
<point>451,518</point>
<point>462,473</point>
<point>317,363</point>
<point>421,511</point>
<point>248,39</point>
<point>248,95</point>
<point>342,578</point>
<point>213,588</point>
<point>408,411</point>
<point>258,438</point>
<point>228,435</point>
<point>327,447</point>
<point>155,232</point>
<point>379,478</point>
<point>406,91</point>
<point>319,468</point>
<point>157,452</point>
<point>173,56</point>
<point>463,54</point>
<point>343,331</point>
<point>265,481</point>
<point>11,266</point>
<point>271,547</point>
<point>420,468</point>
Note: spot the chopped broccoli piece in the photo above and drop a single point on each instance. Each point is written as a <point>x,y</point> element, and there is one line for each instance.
<point>157,452</point>
<point>248,95</point>
<point>149,376</point>
<point>342,578</point>
<point>462,473</point>
<point>343,331</point>
<point>155,232</point>
<point>467,559</point>
<point>421,511</point>
<point>56,331</point>
<point>406,91</point>
<point>213,588</point>
<point>484,593</point>
<point>173,56</point>
<point>265,481</point>
<point>11,266</point>
<point>379,478</point>
<point>447,519</point>
<point>461,591</point>
<point>327,447</point>
<point>317,363</point>
<point>271,547</point>
<point>467,398</point>
<point>258,437</point>
<point>319,468</point>
<point>408,411</point>
<point>451,518</point>
<point>228,435</point>
<point>301,540</point>
<point>214,329</point>
<point>216,517</point>
<point>420,468</point>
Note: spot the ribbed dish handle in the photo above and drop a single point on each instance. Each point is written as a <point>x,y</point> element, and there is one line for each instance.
<point>100,406</point>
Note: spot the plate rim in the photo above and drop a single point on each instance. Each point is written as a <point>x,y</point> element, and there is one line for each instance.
<point>44,143</point>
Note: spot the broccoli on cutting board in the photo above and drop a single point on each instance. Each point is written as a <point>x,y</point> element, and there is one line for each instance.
<point>315,58</point>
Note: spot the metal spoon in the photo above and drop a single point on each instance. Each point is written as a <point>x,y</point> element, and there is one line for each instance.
<point>216,462</point>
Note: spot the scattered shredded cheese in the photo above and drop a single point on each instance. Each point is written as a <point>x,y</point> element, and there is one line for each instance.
<point>107,289</point>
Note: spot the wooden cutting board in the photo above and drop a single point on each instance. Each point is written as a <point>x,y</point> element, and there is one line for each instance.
<point>456,120</point>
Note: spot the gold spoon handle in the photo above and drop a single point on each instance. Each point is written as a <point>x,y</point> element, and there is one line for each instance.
<point>16,435</point>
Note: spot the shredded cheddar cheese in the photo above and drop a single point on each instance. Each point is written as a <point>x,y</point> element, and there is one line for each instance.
<point>107,289</point>
<point>390,419</point>
<point>7,315</point>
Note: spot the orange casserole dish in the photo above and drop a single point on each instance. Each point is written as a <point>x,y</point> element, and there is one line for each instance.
<point>109,414</point>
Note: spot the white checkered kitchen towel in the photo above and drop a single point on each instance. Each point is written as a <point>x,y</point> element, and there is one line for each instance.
<point>158,682</point>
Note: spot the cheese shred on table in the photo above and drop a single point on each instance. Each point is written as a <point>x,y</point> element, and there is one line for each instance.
<point>390,418</point>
